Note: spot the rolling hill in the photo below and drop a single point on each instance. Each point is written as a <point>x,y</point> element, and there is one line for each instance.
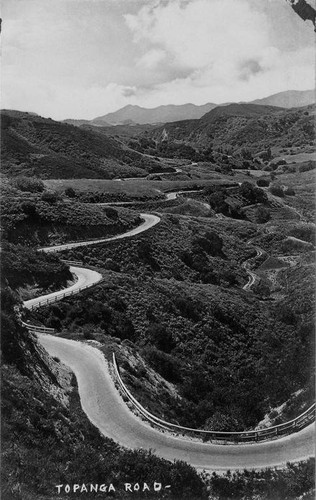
<point>242,125</point>
<point>289,99</point>
<point>32,145</point>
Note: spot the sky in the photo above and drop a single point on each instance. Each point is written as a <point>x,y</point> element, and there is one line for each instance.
<point>85,58</point>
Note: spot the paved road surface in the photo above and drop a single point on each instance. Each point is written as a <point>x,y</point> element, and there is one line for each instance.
<point>252,275</point>
<point>85,278</point>
<point>107,411</point>
<point>173,195</point>
<point>149,221</point>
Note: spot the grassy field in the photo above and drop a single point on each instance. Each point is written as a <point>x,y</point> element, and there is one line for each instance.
<point>133,188</point>
<point>303,184</point>
<point>255,173</point>
<point>297,157</point>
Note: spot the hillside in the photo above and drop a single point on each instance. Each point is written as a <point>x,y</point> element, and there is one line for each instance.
<point>32,145</point>
<point>40,219</point>
<point>242,109</point>
<point>176,293</point>
<point>46,438</point>
<point>193,345</point>
<point>289,99</point>
<point>241,126</point>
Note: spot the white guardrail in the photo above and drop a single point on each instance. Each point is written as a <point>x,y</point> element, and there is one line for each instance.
<point>72,262</point>
<point>61,295</point>
<point>292,426</point>
<point>37,329</point>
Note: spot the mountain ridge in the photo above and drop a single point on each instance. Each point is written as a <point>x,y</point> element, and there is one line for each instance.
<point>39,146</point>
<point>160,114</point>
<point>137,115</point>
<point>288,99</point>
<point>238,126</point>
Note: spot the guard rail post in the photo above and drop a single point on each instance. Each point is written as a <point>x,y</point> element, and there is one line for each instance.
<point>304,418</point>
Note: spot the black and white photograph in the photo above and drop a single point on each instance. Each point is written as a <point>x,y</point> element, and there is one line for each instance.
<point>158,249</point>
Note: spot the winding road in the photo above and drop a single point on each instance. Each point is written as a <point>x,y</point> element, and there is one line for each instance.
<point>161,172</point>
<point>107,411</point>
<point>150,220</point>
<point>85,279</point>
<point>174,194</point>
<point>168,197</point>
<point>252,275</point>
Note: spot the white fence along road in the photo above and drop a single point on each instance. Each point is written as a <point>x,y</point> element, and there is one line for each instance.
<point>106,410</point>
<point>85,279</point>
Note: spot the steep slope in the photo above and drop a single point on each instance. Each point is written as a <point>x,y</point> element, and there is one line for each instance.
<point>78,123</point>
<point>176,293</point>
<point>242,125</point>
<point>30,220</point>
<point>47,440</point>
<point>242,109</point>
<point>38,146</point>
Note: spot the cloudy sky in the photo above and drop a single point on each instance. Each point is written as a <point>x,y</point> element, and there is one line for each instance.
<point>85,58</point>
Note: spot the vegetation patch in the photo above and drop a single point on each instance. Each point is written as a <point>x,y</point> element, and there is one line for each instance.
<point>47,219</point>
<point>225,352</point>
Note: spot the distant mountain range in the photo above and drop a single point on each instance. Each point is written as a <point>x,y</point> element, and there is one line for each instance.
<point>135,114</point>
<point>130,115</point>
<point>289,99</point>
<point>36,146</point>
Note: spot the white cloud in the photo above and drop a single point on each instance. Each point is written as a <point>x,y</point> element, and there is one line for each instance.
<point>60,100</point>
<point>225,45</point>
<point>152,58</point>
<point>202,32</point>
<point>74,58</point>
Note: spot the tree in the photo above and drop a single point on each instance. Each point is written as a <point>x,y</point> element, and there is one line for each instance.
<point>246,154</point>
<point>161,337</point>
<point>262,214</point>
<point>277,190</point>
<point>252,193</point>
<point>211,242</point>
<point>305,167</point>
<point>217,202</point>
<point>28,208</point>
<point>49,197</point>
<point>289,191</point>
<point>221,422</point>
<point>30,184</point>
<point>266,155</point>
<point>263,182</point>
<point>111,213</point>
<point>165,364</point>
<point>70,192</point>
